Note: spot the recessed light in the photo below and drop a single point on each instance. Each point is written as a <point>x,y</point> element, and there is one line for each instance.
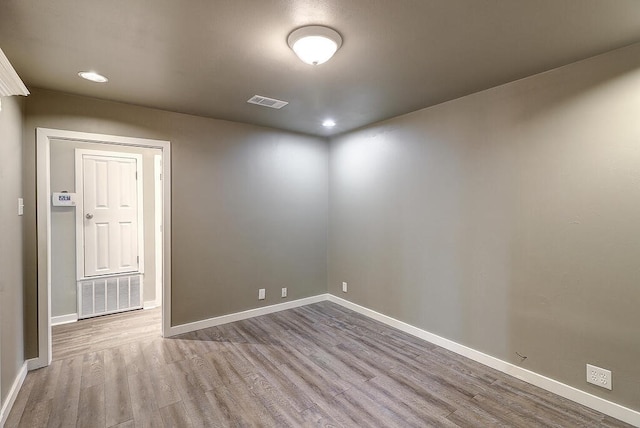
<point>93,76</point>
<point>329,123</point>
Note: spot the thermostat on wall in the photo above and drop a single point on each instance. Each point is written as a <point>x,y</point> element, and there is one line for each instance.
<point>64,199</point>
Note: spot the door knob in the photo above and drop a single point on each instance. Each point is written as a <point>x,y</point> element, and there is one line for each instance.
<point>89,216</point>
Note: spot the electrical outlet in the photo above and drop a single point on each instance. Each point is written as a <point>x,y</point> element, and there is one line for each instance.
<point>261,294</point>
<point>344,287</point>
<point>599,376</point>
<point>284,291</point>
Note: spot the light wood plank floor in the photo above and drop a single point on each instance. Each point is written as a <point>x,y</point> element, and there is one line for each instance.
<point>319,365</point>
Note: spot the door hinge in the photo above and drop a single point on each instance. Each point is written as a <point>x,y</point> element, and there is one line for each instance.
<point>138,259</point>
<point>136,175</point>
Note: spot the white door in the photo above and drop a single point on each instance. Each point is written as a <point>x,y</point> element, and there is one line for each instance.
<point>109,210</point>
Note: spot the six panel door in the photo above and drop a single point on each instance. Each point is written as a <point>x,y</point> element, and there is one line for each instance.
<point>110,215</point>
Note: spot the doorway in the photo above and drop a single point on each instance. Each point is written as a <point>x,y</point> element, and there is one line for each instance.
<point>158,153</point>
<point>110,235</point>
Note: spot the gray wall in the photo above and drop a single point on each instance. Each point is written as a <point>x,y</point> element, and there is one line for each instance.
<point>63,223</point>
<point>249,204</point>
<point>506,221</point>
<point>11,260</point>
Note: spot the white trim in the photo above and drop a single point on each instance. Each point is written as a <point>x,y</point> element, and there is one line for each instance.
<point>10,83</point>
<point>238,316</point>
<point>600,404</point>
<point>79,185</point>
<point>64,319</point>
<point>43,216</point>
<point>34,364</point>
<point>165,296</point>
<point>13,394</point>
<point>157,224</point>
<point>150,304</point>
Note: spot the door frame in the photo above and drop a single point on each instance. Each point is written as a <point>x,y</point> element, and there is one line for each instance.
<point>44,136</point>
<point>157,225</point>
<point>79,164</point>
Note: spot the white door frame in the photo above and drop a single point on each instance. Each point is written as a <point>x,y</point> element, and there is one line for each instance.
<point>157,225</point>
<point>43,220</point>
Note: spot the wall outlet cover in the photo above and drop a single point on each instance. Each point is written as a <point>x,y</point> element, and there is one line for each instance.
<point>344,287</point>
<point>261,294</point>
<point>284,292</point>
<point>599,376</point>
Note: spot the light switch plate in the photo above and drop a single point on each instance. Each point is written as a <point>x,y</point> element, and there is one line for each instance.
<point>20,206</point>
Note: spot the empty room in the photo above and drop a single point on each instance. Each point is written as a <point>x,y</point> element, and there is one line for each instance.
<point>289,213</point>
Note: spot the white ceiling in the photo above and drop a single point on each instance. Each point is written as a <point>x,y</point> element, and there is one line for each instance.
<point>209,57</point>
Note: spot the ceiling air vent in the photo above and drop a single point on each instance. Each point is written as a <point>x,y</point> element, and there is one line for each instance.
<point>267,102</point>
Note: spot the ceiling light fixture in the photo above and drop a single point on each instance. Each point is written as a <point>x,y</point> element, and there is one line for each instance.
<point>93,76</point>
<point>314,44</point>
<point>329,123</point>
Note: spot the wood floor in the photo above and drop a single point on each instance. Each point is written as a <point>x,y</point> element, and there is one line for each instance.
<point>318,365</point>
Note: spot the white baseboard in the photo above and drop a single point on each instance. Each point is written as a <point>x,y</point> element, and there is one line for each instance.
<point>64,319</point>
<point>13,394</point>
<point>150,304</point>
<point>600,404</point>
<point>238,316</point>
<point>37,363</point>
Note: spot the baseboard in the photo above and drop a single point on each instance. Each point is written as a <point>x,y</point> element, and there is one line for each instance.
<point>150,304</point>
<point>37,363</point>
<point>13,394</point>
<point>600,404</point>
<point>238,316</point>
<point>64,319</point>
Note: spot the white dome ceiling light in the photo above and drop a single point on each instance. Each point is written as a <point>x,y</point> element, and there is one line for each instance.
<point>314,44</point>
